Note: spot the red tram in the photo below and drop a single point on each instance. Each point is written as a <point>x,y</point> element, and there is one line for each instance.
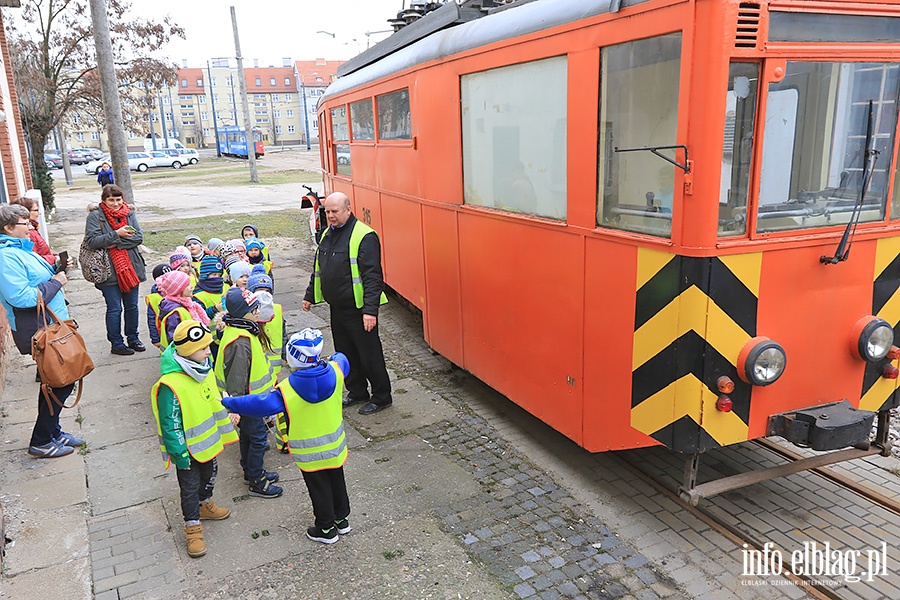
<point>646,222</point>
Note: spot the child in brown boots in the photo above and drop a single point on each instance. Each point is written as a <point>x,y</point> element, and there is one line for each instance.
<point>192,425</point>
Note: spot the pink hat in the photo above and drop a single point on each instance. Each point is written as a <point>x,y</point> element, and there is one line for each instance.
<point>172,283</point>
<point>179,257</point>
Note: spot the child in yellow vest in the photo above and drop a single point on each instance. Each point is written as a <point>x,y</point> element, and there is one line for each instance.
<point>192,425</point>
<point>153,300</point>
<point>312,398</point>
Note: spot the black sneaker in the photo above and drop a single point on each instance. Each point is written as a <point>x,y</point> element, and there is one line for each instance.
<point>343,526</point>
<point>137,346</point>
<point>326,536</point>
<point>264,489</point>
<point>350,400</point>
<point>122,350</point>
<point>271,476</point>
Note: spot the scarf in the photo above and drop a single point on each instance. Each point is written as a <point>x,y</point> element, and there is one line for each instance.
<point>196,310</point>
<point>239,323</point>
<point>255,260</point>
<point>197,371</point>
<point>213,285</point>
<point>121,263</point>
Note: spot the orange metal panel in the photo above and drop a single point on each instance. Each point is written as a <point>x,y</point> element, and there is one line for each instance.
<point>609,290</point>
<point>810,309</point>
<point>397,169</point>
<point>438,138</point>
<point>523,314</point>
<point>582,131</point>
<point>401,247</point>
<point>443,301</point>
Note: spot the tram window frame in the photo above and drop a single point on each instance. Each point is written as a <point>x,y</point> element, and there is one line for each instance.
<point>358,128</point>
<point>403,135</point>
<point>340,146</point>
<point>624,91</point>
<point>812,204</point>
<point>515,137</point>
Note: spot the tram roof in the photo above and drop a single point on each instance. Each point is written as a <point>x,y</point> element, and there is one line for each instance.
<point>499,24</point>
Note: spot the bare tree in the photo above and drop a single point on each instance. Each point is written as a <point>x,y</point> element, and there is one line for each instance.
<point>55,66</point>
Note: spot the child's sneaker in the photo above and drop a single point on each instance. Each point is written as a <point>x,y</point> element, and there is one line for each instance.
<point>343,526</point>
<point>326,536</point>
<point>264,489</point>
<point>50,450</point>
<point>209,510</point>
<point>271,476</point>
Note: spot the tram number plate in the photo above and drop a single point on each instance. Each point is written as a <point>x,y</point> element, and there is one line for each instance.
<point>366,216</point>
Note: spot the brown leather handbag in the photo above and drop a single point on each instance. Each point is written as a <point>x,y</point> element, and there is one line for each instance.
<point>60,353</point>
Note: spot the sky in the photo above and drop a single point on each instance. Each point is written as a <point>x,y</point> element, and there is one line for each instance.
<point>270,30</point>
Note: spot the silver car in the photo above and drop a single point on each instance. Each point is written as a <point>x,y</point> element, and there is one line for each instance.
<point>168,157</point>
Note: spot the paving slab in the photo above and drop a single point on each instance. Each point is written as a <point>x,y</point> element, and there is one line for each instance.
<point>72,577</point>
<point>46,538</point>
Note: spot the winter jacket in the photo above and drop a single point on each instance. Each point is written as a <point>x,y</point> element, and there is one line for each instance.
<point>105,177</point>
<point>22,275</point>
<point>40,246</point>
<point>100,234</point>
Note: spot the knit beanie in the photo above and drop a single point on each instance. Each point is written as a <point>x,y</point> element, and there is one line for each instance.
<point>211,266</point>
<point>266,306</point>
<point>160,269</point>
<point>213,244</point>
<point>172,283</point>
<point>190,336</point>
<point>259,281</point>
<point>304,348</point>
<point>238,303</point>
<point>238,269</point>
<point>179,257</point>
<point>226,249</point>
<point>250,226</point>
<point>193,238</point>
<point>238,244</point>
<point>253,242</point>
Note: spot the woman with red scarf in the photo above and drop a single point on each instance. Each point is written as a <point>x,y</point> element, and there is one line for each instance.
<point>114,226</point>
<point>40,246</point>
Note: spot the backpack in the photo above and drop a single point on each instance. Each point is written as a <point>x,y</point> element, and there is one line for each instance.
<point>96,267</point>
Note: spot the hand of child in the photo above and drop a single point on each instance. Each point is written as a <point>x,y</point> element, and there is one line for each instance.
<point>235,419</point>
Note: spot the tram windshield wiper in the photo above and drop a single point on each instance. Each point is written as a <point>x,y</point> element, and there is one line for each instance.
<point>870,155</point>
<point>656,150</point>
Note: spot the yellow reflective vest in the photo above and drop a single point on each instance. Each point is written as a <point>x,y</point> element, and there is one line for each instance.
<point>207,428</point>
<point>262,376</point>
<point>185,315</point>
<point>275,331</point>
<point>316,436</point>
<point>360,230</point>
<point>208,299</point>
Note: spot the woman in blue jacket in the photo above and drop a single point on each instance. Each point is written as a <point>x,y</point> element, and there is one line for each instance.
<point>24,274</point>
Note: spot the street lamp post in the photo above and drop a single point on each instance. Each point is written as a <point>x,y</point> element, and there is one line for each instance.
<point>162,112</point>
<point>212,99</point>
<point>305,112</point>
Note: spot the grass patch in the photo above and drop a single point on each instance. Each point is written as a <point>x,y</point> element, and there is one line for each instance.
<point>164,236</point>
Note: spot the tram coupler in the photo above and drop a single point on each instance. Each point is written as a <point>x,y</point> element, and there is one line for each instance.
<point>825,427</point>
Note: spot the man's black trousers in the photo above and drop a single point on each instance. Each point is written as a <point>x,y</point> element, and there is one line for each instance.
<point>363,350</point>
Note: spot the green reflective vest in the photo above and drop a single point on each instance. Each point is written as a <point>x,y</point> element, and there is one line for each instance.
<point>262,376</point>
<point>316,435</point>
<point>207,428</point>
<point>208,299</point>
<point>275,330</point>
<point>360,230</point>
<point>185,315</point>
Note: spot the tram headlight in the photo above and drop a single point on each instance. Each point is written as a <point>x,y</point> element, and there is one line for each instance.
<point>873,338</point>
<point>761,361</point>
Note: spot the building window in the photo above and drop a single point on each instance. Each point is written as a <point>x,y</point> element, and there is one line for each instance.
<point>140,84</point>
<point>288,98</point>
<point>262,119</point>
<point>287,81</point>
<point>290,113</point>
<point>79,136</point>
<point>212,82</point>
<point>95,135</point>
<point>277,114</point>
<point>185,98</point>
<point>272,81</point>
<point>394,120</point>
<point>258,81</point>
<point>165,99</point>
<point>274,97</point>
<point>228,81</point>
<point>199,82</point>
<point>215,97</point>
<point>205,131</point>
<point>259,96</point>
<point>278,129</point>
<point>514,156</point>
<point>204,116</point>
<point>184,83</point>
<point>132,135</point>
<point>290,129</point>
<point>201,99</point>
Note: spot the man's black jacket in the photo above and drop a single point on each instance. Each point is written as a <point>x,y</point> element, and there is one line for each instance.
<point>334,264</point>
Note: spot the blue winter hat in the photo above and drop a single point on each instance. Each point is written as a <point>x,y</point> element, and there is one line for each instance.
<point>253,242</point>
<point>238,303</point>
<point>259,281</point>
<point>213,244</point>
<point>210,266</point>
<point>304,348</point>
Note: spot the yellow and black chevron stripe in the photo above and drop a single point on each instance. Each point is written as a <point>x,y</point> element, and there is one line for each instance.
<point>692,317</point>
<point>879,393</point>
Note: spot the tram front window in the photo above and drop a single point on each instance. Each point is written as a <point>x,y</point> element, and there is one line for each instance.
<point>815,140</point>
<point>638,108</point>
<point>737,150</point>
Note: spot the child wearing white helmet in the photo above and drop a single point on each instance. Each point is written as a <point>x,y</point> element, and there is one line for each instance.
<point>311,397</point>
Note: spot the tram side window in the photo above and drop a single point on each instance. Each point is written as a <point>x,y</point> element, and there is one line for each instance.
<point>737,150</point>
<point>514,138</point>
<point>340,133</point>
<point>639,84</point>
<point>814,144</point>
<point>362,120</point>
<point>394,119</point>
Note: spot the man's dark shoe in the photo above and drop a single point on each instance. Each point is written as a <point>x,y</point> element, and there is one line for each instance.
<point>137,346</point>
<point>350,401</point>
<point>326,536</point>
<point>372,408</point>
<point>122,350</point>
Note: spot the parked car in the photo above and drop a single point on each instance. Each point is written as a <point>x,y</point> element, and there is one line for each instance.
<point>192,156</point>
<point>92,153</point>
<point>94,166</point>
<point>140,161</point>
<point>77,157</point>
<point>168,157</point>
<point>53,161</point>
